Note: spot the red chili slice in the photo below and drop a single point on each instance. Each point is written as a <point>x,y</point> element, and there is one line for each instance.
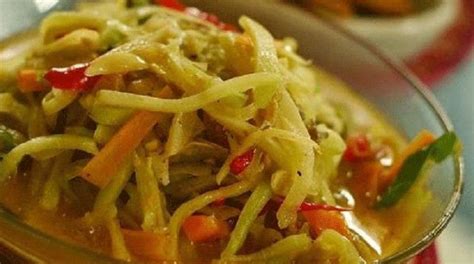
<point>358,148</point>
<point>240,163</point>
<point>173,4</point>
<point>219,202</point>
<point>307,206</point>
<point>211,18</point>
<point>71,78</point>
<point>275,204</point>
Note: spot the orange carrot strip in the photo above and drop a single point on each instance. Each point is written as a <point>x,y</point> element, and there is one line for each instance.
<point>202,228</point>
<point>423,139</point>
<point>146,244</point>
<point>241,54</point>
<point>320,220</point>
<point>365,180</point>
<point>28,81</point>
<point>103,166</point>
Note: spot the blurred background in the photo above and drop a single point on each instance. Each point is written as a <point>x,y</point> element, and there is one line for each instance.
<point>435,39</point>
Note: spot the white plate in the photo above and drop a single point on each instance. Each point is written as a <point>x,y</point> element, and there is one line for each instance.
<point>405,36</point>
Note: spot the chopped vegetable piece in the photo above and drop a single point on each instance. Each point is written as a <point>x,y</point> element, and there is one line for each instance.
<point>137,3</point>
<point>412,167</point>
<point>146,244</point>
<point>320,220</point>
<point>423,139</point>
<point>358,148</point>
<point>117,242</point>
<point>7,141</point>
<point>275,204</point>
<point>240,163</point>
<point>71,78</point>
<point>365,180</point>
<point>106,163</point>
<point>219,202</point>
<point>28,81</point>
<point>202,228</point>
<point>307,206</point>
<point>211,18</point>
<point>256,202</point>
<point>173,4</point>
<point>152,202</point>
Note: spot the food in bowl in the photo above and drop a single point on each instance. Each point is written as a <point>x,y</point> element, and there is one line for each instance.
<point>159,133</point>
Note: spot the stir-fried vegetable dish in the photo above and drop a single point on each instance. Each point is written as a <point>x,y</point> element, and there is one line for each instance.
<point>157,132</point>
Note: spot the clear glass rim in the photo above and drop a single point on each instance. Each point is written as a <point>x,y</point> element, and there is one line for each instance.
<point>11,220</point>
<point>435,106</point>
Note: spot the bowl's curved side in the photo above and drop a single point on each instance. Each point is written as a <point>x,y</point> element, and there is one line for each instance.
<point>37,247</point>
<point>363,64</point>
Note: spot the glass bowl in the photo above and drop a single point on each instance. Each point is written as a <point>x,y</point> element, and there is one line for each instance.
<point>379,79</point>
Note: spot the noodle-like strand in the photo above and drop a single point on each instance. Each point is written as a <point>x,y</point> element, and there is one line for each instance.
<point>38,174</point>
<point>10,161</point>
<point>110,116</point>
<point>234,125</point>
<point>266,59</point>
<point>9,105</point>
<point>119,249</point>
<point>254,205</point>
<point>103,133</point>
<point>187,104</point>
<point>191,206</point>
<point>52,187</point>
<point>151,200</point>
<point>107,197</point>
<point>60,23</point>
<point>257,138</point>
<point>56,100</point>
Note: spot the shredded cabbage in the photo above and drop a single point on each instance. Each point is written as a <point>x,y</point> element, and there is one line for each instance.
<point>10,161</point>
<point>259,198</point>
<point>9,105</point>
<point>186,104</point>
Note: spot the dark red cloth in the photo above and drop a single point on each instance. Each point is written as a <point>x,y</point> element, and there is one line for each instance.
<point>427,256</point>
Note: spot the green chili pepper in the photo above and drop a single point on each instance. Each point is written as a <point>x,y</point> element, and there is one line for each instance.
<point>137,3</point>
<point>7,141</point>
<point>437,151</point>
